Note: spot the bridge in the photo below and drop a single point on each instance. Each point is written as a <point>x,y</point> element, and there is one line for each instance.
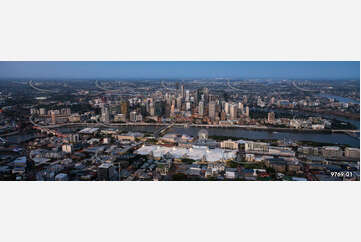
<point>302,89</point>
<point>32,85</point>
<point>168,88</point>
<point>97,84</point>
<point>162,131</point>
<point>232,87</point>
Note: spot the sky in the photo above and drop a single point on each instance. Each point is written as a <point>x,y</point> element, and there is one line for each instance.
<point>122,70</point>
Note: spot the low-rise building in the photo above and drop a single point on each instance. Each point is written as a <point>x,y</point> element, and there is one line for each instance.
<point>231,173</point>
<point>130,136</point>
<point>229,144</point>
<point>331,151</point>
<point>353,153</point>
<point>251,146</point>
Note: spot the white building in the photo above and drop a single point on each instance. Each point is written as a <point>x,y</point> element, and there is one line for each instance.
<point>197,153</point>
<point>251,146</point>
<point>229,144</point>
<point>67,148</point>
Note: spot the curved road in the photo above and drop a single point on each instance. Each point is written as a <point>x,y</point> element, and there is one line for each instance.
<point>31,84</point>
<point>97,84</point>
<point>168,88</point>
<point>302,89</point>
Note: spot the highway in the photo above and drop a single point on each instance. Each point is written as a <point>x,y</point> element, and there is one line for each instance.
<point>168,88</point>
<point>302,89</point>
<point>97,84</point>
<point>31,84</point>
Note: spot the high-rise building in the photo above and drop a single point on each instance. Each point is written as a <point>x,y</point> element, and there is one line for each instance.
<point>233,111</point>
<point>201,108</point>
<point>271,117</point>
<point>42,111</point>
<point>159,108</point>
<point>133,116</point>
<point>273,100</point>
<point>212,110</point>
<point>124,108</point>
<point>187,95</point>
<point>244,100</point>
<point>247,111</point>
<point>151,109</point>
<point>172,109</point>
<point>197,96</point>
<point>182,91</point>
<point>240,107</point>
<point>188,106</point>
<point>105,114</point>
<point>226,108</point>
<point>139,118</point>
<point>179,103</point>
<point>223,115</point>
<point>206,94</point>
<point>53,117</point>
<point>106,172</point>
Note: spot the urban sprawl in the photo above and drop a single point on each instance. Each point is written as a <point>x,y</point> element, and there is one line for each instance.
<point>179,130</point>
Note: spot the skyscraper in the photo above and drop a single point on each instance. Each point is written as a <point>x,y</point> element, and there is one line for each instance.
<point>188,106</point>
<point>245,99</point>
<point>133,116</point>
<point>206,92</point>
<point>247,111</point>
<point>179,102</point>
<point>53,117</point>
<point>196,96</point>
<point>201,108</point>
<point>271,117</point>
<point>272,100</point>
<point>212,110</point>
<point>151,109</point>
<point>159,108</point>
<point>233,111</point>
<point>226,108</point>
<point>240,107</point>
<point>105,114</point>
<point>124,108</point>
<point>172,108</point>
<point>182,91</point>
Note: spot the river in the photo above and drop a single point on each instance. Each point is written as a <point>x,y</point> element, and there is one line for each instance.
<point>332,138</point>
<point>339,98</point>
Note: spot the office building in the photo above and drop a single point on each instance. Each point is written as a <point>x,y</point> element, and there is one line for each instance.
<point>233,111</point>
<point>106,172</point>
<point>212,110</point>
<point>201,108</point>
<point>133,116</point>
<point>271,117</point>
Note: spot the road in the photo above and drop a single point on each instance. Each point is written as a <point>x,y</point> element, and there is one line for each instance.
<point>113,125</point>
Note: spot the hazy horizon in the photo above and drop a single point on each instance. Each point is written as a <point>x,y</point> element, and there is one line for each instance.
<point>108,70</point>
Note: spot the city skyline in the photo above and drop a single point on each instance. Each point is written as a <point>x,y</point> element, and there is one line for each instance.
<point>107,70</point>
<point>289,130</point>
